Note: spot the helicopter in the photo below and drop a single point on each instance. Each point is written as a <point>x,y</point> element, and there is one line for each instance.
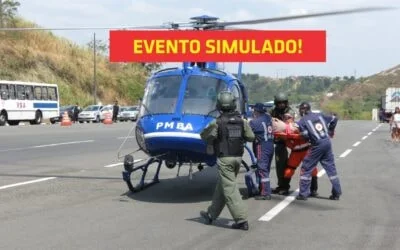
<point>179,102</point>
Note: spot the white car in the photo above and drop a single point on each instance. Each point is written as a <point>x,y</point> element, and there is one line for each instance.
<point>130,113</point>
<point>95,113</point>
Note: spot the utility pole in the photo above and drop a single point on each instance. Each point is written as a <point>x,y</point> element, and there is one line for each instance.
<point>94,69</point>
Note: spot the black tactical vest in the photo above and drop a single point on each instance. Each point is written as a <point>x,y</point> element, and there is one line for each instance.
<point>276,113</point>
<point>230,140</point>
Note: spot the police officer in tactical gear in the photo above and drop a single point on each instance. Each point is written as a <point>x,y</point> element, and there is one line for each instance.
<point>228,134</point>
<point>318,129</point>
<point>281,108</point>
<point>263,148</point>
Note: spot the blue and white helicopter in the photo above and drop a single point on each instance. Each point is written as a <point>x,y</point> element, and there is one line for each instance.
<point>179,102</point>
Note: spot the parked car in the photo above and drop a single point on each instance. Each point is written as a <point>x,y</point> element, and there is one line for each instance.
<point>90,113</point>
<point>121,109</point>
<point>130,113</point>
<point>95,113</point>
<point>70,111</point>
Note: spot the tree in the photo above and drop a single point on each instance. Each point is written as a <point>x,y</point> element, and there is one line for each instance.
<point>150,67</point>
<point>8,10</point>
<point>101,46</point>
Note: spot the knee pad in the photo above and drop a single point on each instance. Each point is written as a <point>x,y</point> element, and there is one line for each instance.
<point>289,172</point>
<point>314,172</point>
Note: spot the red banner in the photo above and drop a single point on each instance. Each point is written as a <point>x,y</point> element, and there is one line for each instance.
<point>221,46</point>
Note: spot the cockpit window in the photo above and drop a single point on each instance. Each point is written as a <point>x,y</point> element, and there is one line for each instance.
<point>161,95</point>
<point>201,95</point>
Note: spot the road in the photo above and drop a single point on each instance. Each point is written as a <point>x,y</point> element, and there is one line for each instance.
<point>61,188</point>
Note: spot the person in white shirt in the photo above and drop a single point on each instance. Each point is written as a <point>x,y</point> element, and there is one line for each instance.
<point>395,125</point>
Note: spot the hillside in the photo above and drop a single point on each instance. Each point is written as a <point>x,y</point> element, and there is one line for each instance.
<point>350,98</point>
<point>356,100</point>
<point>41,56</point>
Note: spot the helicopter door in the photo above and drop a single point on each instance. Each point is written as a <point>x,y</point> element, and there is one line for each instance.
<point>240,107</point>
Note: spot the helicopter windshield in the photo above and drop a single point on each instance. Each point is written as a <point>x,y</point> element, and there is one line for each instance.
<point>201,95</point>
<point>160,95</point>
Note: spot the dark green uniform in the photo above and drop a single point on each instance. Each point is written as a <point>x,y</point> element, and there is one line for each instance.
<point>229,148</point>
<point>281,154</point>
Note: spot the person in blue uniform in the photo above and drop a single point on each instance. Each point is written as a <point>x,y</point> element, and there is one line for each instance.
<point>318,129</point>
<point>263,148</point>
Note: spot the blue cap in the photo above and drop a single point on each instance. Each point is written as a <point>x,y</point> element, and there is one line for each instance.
<point>259,107</point>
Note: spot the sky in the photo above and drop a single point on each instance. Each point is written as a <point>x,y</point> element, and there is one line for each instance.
<point>361,44</point>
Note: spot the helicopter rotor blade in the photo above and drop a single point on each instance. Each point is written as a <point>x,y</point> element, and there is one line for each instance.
<point>301,16</point>
<point>156,27</point>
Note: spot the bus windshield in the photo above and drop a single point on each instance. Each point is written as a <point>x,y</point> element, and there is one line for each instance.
<point>161,95</point>
<point>201,95</point>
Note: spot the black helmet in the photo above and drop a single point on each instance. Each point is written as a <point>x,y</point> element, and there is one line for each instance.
<point>226,101</point>
<point>304,108</point>
<point>280,97</point>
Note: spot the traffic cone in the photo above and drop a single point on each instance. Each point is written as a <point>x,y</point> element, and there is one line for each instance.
<point>65,120</point>
<point>107,119</point>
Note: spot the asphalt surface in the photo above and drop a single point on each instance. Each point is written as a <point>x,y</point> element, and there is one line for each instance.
<point>61,188</point>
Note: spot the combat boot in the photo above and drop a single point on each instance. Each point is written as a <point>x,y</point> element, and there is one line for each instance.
<point>243,226</point>
<point>314,186</point>
<point>263,197</point>
<point>301,198</point>
<point>207,217</point>
<point>335,196</point>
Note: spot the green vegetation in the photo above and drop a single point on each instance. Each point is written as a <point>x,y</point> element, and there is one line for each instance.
<point>40,56</point>
<point>350,98</point>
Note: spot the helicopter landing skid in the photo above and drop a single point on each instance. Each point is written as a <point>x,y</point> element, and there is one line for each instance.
<point>126,175</point>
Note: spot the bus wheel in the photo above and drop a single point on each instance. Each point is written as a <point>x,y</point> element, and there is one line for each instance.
<point>38,118</point>
<point>3,118</point>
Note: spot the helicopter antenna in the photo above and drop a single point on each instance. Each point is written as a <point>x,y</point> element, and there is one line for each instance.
<point>240,71</point>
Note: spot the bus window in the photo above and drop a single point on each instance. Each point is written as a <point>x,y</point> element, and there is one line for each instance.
<point>52,93</point>
<point>20,92</point>
<point>38,93</point>
<point>29,92</point>
<point>12,92</point>
<point>44,93</point>
<point>4,91</point>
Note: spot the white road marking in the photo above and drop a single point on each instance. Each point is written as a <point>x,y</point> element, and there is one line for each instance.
<point>62,143</point>
<point>44,146</point>
<point>365,137</point>
<point>120,163</point>
<point>26,182</point>
<point>356,144</point>
<point>279,207</point>
<point>370,133</point>
<point>125,137</point>
<point>345,153</point>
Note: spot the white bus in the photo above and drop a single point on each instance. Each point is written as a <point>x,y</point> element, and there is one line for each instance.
<point>27,101</point>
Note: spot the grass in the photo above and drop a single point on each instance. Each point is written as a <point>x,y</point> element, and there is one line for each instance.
<point>40,56</point>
